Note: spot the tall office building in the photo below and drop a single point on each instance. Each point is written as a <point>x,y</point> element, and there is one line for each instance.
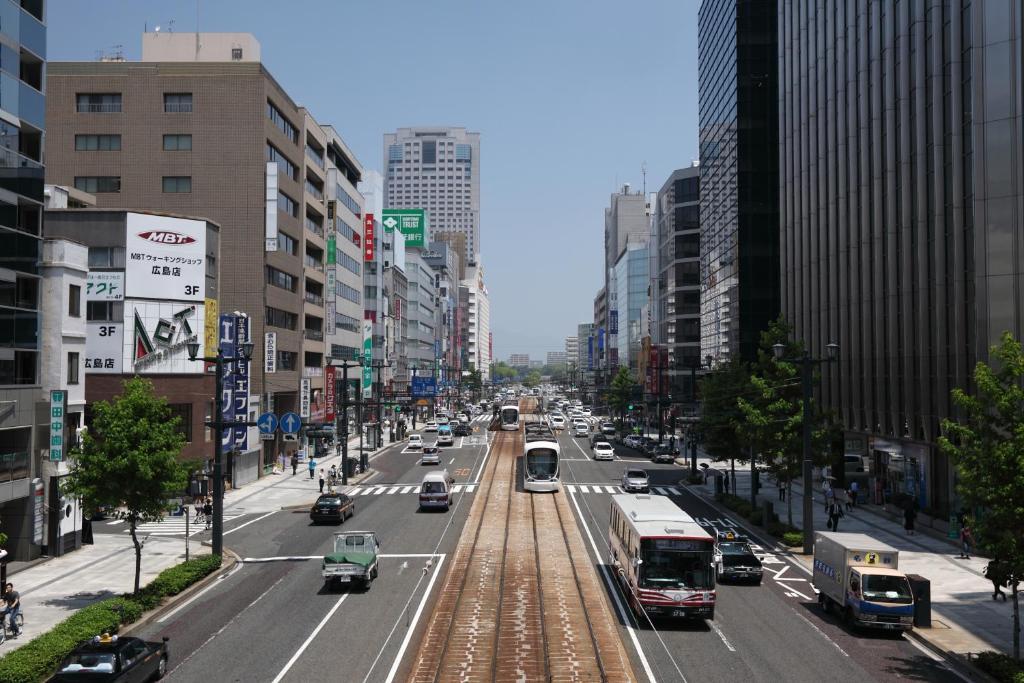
<point>902,236</point>
<point>23,35</point>
<point>676,278</point>
<point>572,350</point>
<point>437,169</point>
<point>200,127</point>
<point>519,360</point>
<point>556,358</point>
<point>476,331</point>
<point>739,138</point>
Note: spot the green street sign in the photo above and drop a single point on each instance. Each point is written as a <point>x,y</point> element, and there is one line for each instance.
<point>332,246</point>
<point>410,222</point>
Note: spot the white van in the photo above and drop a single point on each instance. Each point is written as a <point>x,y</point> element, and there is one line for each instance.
<point>436,490</point>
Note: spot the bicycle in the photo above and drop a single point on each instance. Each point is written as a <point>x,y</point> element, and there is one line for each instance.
<point>3,626</point>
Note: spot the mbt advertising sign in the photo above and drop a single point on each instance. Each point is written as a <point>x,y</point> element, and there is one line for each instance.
<point>165,258</point>
<point>157,334</point>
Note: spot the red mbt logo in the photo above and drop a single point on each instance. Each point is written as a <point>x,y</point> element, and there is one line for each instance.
<point>166,237</point>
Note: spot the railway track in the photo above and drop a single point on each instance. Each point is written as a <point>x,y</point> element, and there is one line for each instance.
<point>521,600</point>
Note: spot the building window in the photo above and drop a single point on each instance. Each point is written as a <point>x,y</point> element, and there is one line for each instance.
<point>281,279</point>
<point>72,367</point>
<point>236,54</point>
<point>283,164</point>
<point>283,124</point>
<point>182,411</point>
<point>346,261</point>
<point>287,205</point>
<point>283,319</point>
<point>348,200</point>
<point>104,311</point>
<point>96,184</point>
<point>177,143</point>
<point>178,103</point>
<point>98,103</point>
<point>287,360</point>
<point>97,143</point>
<point>106,257</point>
<point>287,244</point>
<point>177,184</point>
<point>346,292</point>
<point>75,301</point>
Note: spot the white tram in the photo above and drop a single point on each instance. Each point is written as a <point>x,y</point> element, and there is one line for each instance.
<point>540,458</point>
<point>510,418</point>
<point>664,559</point>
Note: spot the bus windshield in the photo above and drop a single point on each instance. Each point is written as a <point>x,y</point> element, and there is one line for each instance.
<point>675,563</point>
<point>542,463</point>
<point>509,415</point>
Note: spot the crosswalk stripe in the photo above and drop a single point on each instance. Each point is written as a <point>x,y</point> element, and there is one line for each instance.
<point>610,489</point>
<point>394,490</point>
<point>457,488</point>
<point>408,489</point>
<point>660,491</point>
<point>471,488</point>
<point>570,488</point>
<point>379,490</point>
<point>584,489</point>
<point>674,491</point>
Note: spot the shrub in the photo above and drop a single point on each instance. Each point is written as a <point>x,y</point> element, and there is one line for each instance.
<point>756,517</point>
<point>793,538</point>
<point>1003,668</point>
<point>38,658</point>
<point>695,478</point>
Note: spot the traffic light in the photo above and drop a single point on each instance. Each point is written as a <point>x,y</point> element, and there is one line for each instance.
<point>398,409</point>
<point>630,406</point>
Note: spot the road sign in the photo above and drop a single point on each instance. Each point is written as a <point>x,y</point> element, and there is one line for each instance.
<point>290,423</point>
<point>267,423</point>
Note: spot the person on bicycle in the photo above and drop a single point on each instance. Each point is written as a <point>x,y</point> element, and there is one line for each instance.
<point>12,603</point>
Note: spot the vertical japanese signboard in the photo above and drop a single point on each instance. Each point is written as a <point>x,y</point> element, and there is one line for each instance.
<point>228,343</point>
<point>368,237</point>
<point>330,392</point>
<point>367,356</point>
<point>304,397</point>
<point>270,352</point>
<point>240,398</point>
<point>58,398</point>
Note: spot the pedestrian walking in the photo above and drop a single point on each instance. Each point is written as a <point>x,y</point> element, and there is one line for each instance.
<point>312,467</point>
<point>835,511</point>
<point>208,512</point>
<point>854,492</point>
<point>295,463</point>
<point>12,605</point>
<point>909,516</point>
<point>726,483</point>
<point>995,571</point>
<point>321,481</point>
<point>966,541</point>
<point>781,481</point>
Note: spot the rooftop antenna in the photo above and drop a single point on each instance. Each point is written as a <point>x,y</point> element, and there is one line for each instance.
<point>170,26</point>
<point>643,172</point>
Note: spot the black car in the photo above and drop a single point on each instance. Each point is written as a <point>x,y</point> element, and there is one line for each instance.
<point>737,562</point>
<point>113,658</point>
<point>664,453</point>
<point>598,437</point>
<point>462,430</point>
<point>332,507</point>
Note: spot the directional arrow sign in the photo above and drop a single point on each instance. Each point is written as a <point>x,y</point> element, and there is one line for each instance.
<point>390,223</point>
<point>290,423</point>
<point>267,423</point>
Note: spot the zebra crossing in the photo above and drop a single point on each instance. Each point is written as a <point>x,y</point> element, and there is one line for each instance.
<point>602,488</point>
<point>404,489</point>
<point>172,526</point>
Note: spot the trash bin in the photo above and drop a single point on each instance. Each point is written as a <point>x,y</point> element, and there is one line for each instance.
<point>922,590</point>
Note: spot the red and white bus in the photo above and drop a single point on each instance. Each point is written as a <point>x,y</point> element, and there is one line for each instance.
<point>664,559</point>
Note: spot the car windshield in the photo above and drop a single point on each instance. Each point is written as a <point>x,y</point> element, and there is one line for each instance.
<point>636,474</point>
<point>332,501</point>
<point>355,543</point>
<point>884,588</point>
<point>433,487</point>
<point>90,662</point>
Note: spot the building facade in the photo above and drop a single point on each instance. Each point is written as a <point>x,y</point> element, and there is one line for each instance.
<point>208,131</point>
<point>477,304</point>
<point>557,358</point>
<point>22,123</point>
<point>630,280</point>
<point>739,139</point>
<point>519,360</point>
<point>676,290</point>
<point>436,169</point>
<point>572,350</point>
<point>902,233</point>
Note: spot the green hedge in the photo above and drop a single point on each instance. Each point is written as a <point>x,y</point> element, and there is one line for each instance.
<point>1003,668</point>
<point>37,659</point>
<point>790,536</point>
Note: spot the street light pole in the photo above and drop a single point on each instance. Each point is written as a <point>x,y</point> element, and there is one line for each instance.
<point>344,365</point>
<point>218,424</point>
<point>807,363</point>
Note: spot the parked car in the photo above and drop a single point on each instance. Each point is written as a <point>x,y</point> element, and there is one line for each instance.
<point>736,561</point>
<point>603,451</point>
<point>332,507</point>
<point>631,441</point>
<point>635,481</point>
<point>354,558</point>
<point>415,442</point>
<point>114,658</point>
<point>431,426</point>
<point>664,453</point>
<point>431,456</point>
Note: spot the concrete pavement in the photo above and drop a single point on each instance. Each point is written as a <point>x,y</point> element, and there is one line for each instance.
<point>964,616</point>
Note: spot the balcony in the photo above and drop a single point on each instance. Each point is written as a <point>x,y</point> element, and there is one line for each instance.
<point>315,299</point>
<point>177,107</point>
<point>313,335</point>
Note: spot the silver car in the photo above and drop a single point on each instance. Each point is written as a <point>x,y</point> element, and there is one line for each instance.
<point>431,456</point>
<point>635,481</point>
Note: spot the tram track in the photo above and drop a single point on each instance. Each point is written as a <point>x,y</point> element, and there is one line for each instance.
<point>521,601</point>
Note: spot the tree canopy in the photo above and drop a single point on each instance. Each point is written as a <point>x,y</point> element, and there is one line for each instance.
<point>129,458</point>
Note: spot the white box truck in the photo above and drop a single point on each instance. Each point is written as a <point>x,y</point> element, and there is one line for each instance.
<point>859,577</point>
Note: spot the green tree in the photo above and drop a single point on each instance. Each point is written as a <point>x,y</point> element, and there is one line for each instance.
<point>720,420</point>
<point>532,379</point>
<point>621,391</point>
<point>987,445</point>
<point>474,381</point>
<point>502,371</point>
<point>128,459</point>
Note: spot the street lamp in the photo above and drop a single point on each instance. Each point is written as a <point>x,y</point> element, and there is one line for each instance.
<point>708,360</point>
<point>807,363</point>
<point>218,424</point>
<point>344,365</point>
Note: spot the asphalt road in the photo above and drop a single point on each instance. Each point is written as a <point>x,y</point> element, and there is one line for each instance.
<point>774,631</point>
<point>273,619</point>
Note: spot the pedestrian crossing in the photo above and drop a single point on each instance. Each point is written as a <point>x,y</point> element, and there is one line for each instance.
<point>404,489</point>
<point>172,526</point>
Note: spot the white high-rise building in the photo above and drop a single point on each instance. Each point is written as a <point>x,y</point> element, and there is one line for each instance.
<point>477,326</point>
<point>436,168</point>
<point>572,352</point>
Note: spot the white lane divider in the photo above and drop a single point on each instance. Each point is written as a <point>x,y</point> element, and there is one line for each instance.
<point>302,648</point>
<point>717,629</point>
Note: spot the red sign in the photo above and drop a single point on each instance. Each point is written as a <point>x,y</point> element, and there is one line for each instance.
<point>329,392</point>
<point>398,309</point>
<point>368,237</point>
<point>166,237</point>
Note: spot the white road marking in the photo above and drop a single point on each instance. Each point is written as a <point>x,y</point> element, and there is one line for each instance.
<point>451,461</point>
<point>408,489</point>
<point>717,629</point>
<point>412,626</point>
<point>302,648</point>
<point>570,488</point>
<point>198,595</point>
<point>584,489</point>
<point>820,632</point>
<point>471,488</point>
<point>115,522</point>
<point>457,488</point>
<point>242,526</point>
<point>393,490</point>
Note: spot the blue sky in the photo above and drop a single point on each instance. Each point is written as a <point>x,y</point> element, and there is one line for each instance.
<point>571,97</point>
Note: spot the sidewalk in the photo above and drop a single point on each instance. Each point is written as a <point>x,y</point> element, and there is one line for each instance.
<point>964,616</point>
<point>54,589</point>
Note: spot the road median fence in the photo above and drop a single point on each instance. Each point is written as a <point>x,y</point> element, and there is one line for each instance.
<point>37,659</point>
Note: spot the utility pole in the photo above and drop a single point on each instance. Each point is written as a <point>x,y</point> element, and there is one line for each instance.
<point>344,365</point>
<point>380,401</point>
